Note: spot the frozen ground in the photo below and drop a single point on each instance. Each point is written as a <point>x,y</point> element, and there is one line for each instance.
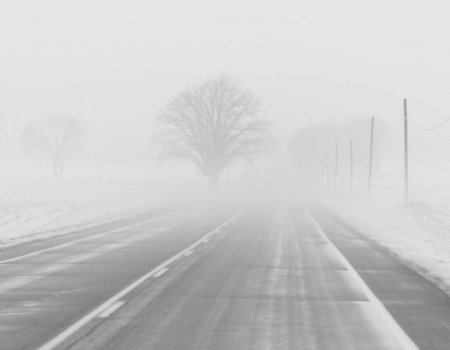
<point>30,211</point>
<point>418,233</point>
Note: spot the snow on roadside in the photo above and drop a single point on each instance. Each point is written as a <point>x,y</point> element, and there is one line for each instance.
<point>24,222</point>
<point>37,210</point>
<point>418,234</point>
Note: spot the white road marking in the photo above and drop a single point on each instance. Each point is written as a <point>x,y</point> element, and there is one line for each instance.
<point>14,314</point>
<point>113,308</point>
<point>80,258</point>
<point>402,338</point>
<point>17,282</point>
<point>20,281</point>
<point>161,272</point>
<point>68,244</point>
<point>51,269</point>
<point>51,344</point>
<point>64,245</point>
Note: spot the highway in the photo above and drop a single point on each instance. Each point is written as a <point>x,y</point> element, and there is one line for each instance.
<point>273,274</point>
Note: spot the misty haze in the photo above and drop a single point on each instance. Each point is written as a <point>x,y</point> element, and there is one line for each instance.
<point>202,175</point>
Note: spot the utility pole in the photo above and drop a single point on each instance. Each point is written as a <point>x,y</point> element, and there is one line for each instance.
<point>351,168</point>
<point>323,175</point>
<point>321,172</point>
<point>370,159</point>
<point>336,170</point>
<point>327,173</point>
<point>405,115</point>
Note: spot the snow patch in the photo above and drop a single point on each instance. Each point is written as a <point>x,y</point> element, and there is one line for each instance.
<point>418,233</point>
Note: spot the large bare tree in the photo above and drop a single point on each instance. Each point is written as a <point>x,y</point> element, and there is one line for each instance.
<point>212,125</point>
<point>55,138</point>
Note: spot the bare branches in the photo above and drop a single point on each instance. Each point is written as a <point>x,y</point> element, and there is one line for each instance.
<point>54,138</point>
<point>212,125</point>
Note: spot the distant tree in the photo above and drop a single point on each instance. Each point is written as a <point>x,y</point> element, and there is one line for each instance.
<point>54,138</point>
<point>212,125</point>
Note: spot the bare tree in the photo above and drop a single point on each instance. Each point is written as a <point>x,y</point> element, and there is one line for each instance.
<point>212,125</point>
<point>54,138</point>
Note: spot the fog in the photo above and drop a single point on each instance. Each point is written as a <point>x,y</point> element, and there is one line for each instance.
<point>233,174</point>
<point>114,65</point>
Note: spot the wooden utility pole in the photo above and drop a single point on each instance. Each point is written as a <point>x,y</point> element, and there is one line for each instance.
<point>322,174</point>
<point>371,158</point>
<point>336,169</point>
<point>351,168</point>
<point>405,115</point>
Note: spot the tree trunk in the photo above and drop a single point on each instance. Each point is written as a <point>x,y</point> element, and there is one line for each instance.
<point>214,182</point>
<point>55,170</point>
<point>61,170</point>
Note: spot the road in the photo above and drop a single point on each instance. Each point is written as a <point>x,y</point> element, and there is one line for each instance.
<point>278,275</point>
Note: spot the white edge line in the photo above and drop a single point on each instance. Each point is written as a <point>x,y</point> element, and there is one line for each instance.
<point>38,252</point>
<point>113,308</point>
<point>51,344</point>
<point>400,335</point>
<point>68,244</point>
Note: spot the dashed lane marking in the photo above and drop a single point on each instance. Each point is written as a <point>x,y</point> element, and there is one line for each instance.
<point>113,308</point>
<point>53,343</point>
<point>161,272</point>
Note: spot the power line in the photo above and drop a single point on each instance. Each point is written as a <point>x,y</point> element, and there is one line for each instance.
<point>400,123</point>
<point>429,129</point>
<point>397,130</point>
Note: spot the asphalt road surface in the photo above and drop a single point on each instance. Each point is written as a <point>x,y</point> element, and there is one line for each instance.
<point>276,275</point>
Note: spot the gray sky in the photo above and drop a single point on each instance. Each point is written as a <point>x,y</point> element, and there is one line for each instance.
<point>115,63</point>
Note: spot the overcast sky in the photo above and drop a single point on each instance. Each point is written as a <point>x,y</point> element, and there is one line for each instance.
<point>115,63</point>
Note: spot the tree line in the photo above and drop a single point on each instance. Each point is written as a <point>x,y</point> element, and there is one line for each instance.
<point>211,125</point>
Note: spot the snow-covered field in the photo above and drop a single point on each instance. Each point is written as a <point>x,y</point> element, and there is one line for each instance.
<point>417,233</point>
<point>22,222</point>
<point>36,210</point>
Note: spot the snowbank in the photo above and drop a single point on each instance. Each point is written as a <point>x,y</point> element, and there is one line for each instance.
<point>37,210</point>
<point>24,222</point>
<point>418,234</point>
